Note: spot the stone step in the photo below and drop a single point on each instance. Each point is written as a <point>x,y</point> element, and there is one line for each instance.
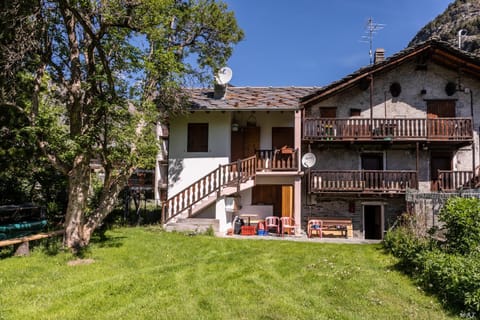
<point>197,225</point>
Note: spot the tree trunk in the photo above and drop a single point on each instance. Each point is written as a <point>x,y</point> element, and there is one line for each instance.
<point>78,185</point>
<point>108,200</point>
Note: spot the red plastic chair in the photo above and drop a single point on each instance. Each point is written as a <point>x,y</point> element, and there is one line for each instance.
<point>287,225</point>
<point>314,226</point>
<point>272,222</point>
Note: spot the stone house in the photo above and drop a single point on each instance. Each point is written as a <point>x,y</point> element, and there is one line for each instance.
<point>406,122</point>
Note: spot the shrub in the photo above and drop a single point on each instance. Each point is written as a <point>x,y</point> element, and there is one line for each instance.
<point>454,278</point>
<point>405,245</point>
<point>451,270</point>
<point>462,223</point>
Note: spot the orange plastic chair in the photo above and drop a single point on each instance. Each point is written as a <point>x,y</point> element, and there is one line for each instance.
<point>287,225</point>
<point>272,222</point>
<point>314,227</point>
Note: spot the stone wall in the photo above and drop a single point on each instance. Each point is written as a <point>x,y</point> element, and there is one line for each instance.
<point>352,208</point>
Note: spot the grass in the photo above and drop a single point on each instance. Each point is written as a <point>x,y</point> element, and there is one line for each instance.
<point>144,273</point>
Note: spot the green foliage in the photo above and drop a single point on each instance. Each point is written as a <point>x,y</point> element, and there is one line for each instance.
<point>455,278</point>
<point>451,270</point>
<point>462,223</point>
<point>95,79</point>
<point>25,174</point>
<point>404,244</point>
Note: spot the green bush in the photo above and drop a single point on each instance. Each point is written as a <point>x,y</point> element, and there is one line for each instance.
<point>404,244</point>
<point>451,270</point>
<point>454,278</point>
<point>462,223</point>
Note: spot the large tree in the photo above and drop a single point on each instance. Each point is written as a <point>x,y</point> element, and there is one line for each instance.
<point>101,74</point>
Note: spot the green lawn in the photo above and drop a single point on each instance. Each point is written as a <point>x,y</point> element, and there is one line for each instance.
<point>144,273</point>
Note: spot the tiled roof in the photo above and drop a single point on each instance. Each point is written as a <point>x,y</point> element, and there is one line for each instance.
<point>433,45</point>
<point>258,98</point>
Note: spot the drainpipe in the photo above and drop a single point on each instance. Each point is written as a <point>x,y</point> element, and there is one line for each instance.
<point>385,103</point>
<point>371,103</point>
<point>473,125</point>
<point>416,165</point>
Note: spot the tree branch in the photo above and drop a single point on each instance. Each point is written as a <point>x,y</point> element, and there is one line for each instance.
<point>56,163</point>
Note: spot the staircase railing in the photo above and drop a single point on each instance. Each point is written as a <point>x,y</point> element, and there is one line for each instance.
<point>232,175</point>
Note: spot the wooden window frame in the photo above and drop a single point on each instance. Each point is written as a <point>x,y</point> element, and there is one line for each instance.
<point>326,110</point>
<point>197,137</point>
<point>355,112</point>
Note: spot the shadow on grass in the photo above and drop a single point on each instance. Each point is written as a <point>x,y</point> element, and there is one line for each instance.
<point>107,241</point>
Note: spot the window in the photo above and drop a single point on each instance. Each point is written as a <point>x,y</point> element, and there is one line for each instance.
<point>328,112</point>
<point>197,137</point>
<point>355,112</point>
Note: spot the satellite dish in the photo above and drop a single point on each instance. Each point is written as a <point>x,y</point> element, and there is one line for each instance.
<point>224,75</point>
<point>309,160</point>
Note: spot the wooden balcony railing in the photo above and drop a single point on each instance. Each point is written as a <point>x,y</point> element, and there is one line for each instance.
<point>361,181</point>
<point>277,160</point>
<point>231,174</point>
<point>453,180</point>
<point>456,129</point>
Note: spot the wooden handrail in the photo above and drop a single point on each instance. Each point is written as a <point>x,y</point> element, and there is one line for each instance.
<point>277,159</point>
<point>449,180</point>
<point>333,129</point>
<point>232,174</point>
<point>362,180</point>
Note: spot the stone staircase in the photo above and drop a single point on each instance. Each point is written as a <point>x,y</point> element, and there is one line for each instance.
<point>193,225</point>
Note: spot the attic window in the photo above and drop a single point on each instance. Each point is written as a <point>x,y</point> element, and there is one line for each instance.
<point>395,89</point>
<point>328,112</point>
<point>355,112</point>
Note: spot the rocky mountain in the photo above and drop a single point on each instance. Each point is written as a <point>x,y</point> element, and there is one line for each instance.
<point>460,15</point>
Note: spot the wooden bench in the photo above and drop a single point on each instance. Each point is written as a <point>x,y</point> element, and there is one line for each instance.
<point>22,243</point>
<point>335,227</point>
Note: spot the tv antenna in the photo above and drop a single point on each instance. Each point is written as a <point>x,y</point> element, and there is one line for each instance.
<point>371,29</point>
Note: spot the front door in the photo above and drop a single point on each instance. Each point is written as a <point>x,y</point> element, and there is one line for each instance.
<point>251,142</point>
<point>282,136</point>
<point>372,222</point>
<point>437,109</point>
<point>440,109</point>
<point>244,143</point>
<point>438,161</point>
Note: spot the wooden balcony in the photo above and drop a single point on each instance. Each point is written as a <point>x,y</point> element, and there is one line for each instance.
<point>454,180</point>
<point>367,181</point>
<point>411,129</point>
<point>285,159</point>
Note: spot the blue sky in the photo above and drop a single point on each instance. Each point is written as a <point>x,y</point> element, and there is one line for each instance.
<point>316,42</point>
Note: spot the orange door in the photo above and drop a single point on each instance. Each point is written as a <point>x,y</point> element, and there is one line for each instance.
<point>287,201</point>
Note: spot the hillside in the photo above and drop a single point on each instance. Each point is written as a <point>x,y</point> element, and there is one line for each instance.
<point>460,14</point>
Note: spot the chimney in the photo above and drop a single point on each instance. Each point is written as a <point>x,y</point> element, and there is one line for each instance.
<point>379,55</point>
<point>219,91</point>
